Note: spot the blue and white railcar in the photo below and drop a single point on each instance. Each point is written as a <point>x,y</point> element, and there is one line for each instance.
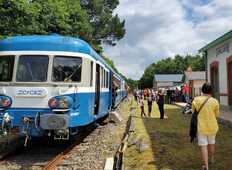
<point>52,85</point>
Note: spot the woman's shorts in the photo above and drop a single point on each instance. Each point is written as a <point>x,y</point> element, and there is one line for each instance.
<point>205,139</point>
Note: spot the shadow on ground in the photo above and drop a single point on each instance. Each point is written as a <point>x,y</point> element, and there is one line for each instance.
<point>171,146</point>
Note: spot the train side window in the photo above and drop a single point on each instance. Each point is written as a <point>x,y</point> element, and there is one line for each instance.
<point>32,68</point>
<point>107,80</point>
<point>66,69</point>
<point>102,77</point>
<point>104,81</point>
<point>6,68</point>
<point>91,74</point>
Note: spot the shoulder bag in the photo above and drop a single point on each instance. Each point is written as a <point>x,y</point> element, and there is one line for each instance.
<point>193,122</point>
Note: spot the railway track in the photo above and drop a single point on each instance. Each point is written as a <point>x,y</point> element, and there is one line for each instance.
<point>42,154</point>
<point>88,151</point>
<point>59,158</point>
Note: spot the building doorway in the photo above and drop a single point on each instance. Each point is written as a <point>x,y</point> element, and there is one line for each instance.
<point>229,74</point>
<point>214,79</point>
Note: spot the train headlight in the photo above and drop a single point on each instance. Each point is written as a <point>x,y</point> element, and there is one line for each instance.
<point>5,101</point>
<point>61,102</point>
<point>65,102</point>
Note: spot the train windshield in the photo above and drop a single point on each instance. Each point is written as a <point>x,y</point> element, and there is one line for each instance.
<point>6,68</point>
<point>32,68</point>
<point>66,69</point>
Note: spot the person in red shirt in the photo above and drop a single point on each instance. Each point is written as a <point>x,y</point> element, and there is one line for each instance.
<point>186,92</point>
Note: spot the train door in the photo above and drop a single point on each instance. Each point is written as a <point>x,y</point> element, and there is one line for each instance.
<point>110,89</point>
<point>97,90</point>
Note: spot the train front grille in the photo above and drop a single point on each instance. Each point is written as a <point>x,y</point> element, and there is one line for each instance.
<point>53,121</point>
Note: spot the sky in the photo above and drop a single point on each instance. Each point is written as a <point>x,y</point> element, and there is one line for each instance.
<point>157,29</point>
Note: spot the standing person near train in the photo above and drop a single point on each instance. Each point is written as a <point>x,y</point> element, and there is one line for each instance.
<point>149,103</point>
<point>135,93</point>
<point>160,102</point>
<point>141,103</point>
<point>207,126</point>
<point>114,95</point>
<point>145,93</point>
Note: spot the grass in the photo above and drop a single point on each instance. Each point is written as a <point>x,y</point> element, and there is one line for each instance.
<point>169,143</point>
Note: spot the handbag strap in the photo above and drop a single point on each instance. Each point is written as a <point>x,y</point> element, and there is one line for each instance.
<point>203,105</point>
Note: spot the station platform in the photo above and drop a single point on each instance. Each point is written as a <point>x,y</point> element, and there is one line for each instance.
<point>224,114</point>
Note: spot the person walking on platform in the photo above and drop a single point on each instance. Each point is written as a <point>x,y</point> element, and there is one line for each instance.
<point>142,107</point>
<point>207,125</point>
<point>160,102</point>
<point>149,104</point>
<point>135,93</point>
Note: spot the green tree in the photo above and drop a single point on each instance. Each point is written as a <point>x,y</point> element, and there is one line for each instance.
<point>133,84</point>
<point>107,27</point>
<point>21,17</point>
<point>177,65</point>
<point>92,20</point>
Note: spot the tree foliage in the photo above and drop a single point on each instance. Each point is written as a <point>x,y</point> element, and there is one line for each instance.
<point>171,66</point>
<point>106,27</point>
<point>110,63</point>
<point>91,20</point>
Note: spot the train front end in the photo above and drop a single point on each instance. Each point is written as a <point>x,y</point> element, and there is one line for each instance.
<point>37,97</point>
<point>51,85</point>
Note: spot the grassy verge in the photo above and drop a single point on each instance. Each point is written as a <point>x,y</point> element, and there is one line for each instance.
<point>169,143</point>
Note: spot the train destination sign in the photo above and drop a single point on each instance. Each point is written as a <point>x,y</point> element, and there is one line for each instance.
<point>31,92</point>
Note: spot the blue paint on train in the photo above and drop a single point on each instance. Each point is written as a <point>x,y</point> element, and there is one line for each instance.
<point>82,111</point>
<point>52,42</point>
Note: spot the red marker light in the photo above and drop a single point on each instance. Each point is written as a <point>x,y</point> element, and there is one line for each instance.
<point>52,103</point>
<point>6,102</point>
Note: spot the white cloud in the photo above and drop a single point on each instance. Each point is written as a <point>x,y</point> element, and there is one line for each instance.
<point>163,28</point>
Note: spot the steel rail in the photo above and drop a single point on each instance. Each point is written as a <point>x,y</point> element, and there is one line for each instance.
<point>51,165</point>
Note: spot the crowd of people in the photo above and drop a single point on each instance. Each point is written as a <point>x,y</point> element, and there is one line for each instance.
<point>150,95</point>
<point>179,94</point>
<point>206,106</point>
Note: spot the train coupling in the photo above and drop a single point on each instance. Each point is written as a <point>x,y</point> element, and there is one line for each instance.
<point>6,123</point>
<point>61,134</point>
<point>27,121</point>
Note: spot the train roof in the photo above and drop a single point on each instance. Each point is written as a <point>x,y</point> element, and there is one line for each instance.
<point>53,42</point>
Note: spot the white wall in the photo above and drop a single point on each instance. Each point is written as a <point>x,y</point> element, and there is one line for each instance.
<point>222,68</point>
<point>197,84</point>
